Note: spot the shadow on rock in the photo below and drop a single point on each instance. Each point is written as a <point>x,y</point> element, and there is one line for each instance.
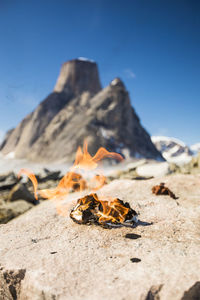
<point>193,293</point>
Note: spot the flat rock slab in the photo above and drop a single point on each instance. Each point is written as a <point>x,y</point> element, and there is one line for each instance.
<point>46,256</point>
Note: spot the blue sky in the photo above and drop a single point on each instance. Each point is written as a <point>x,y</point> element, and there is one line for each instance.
<point>153,46</point>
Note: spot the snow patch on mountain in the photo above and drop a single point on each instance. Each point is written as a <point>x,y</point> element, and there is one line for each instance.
<point>195,148</point>
<point>85,59</point>
<point>172,149</point>
<point>167,140</point>
<point>114,81</point>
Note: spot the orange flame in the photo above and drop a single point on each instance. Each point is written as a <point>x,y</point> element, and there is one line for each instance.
<point>113,211</point>
<point>85,161</point>
<point>98,181</point>
<point>32,177</point>
<point>101,211</point>
<point>72,180</point>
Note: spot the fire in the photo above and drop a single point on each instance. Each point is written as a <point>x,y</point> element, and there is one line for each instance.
<point>73,180</point>
<point>32,177</point>
<point>113,211</point>
<point>90,209</point>
<point>108,210</point>
<point>97,182</point>
<point>86,162</point>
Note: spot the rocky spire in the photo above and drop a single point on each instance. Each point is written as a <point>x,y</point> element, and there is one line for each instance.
<point>77,109</point>
<point>78,76</point>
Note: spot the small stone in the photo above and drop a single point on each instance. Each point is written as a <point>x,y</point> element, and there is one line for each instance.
<point>135,260</point>
<point>132,236</point>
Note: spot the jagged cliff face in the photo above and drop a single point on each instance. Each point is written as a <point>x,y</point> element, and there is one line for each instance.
<point>78,76</point>
<point>79,109</point>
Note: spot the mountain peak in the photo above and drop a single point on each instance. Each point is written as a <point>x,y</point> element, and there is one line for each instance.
<point>117,82</point>
<point>61,122</point>
<point>172,149</point>
<point>77,76</point>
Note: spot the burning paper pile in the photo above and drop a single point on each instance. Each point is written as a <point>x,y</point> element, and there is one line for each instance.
<point>91,208</point>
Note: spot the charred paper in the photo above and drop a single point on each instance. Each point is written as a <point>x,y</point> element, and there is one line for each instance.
<point>107,213</point>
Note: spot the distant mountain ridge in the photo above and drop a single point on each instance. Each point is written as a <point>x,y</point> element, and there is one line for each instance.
<point>174,150</point>
<point>78,109</point>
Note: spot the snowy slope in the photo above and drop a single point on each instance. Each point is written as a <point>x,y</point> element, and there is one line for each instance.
<point>172,149</point>
<point>195,148</point>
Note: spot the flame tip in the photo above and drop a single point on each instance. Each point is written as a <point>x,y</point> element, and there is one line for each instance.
<point>73,180</point>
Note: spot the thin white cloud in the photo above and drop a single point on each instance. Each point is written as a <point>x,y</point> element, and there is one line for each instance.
<point>129,73</point>
<point>161,132</point>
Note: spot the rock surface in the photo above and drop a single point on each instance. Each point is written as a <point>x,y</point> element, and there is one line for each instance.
<point>78,76</point>
<point>20,191</point>
<point>7,181</point>
<point>9,211</point>
<point>193,293</point>
<point>78,109</point>
<point>46,256</point>
<point>154,169</point>
<point>193,167</point>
